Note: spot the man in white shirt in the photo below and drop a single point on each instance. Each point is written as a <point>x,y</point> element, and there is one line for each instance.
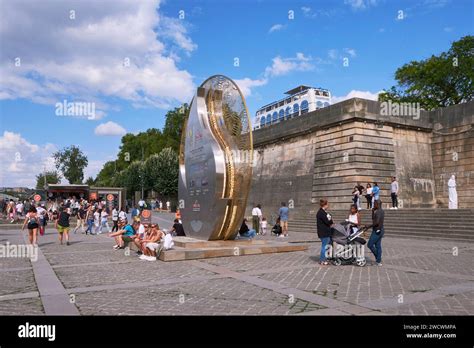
<point>394,193</point>
<point>19,209</point>
<point>256,218</point>
<point>168,205</point>
<point>122,215</point>
<point>141,204</point>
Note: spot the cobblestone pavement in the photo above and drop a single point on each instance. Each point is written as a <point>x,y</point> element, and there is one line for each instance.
<point>89,278</point>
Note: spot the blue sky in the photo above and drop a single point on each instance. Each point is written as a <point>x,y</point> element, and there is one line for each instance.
<point>81,59</point>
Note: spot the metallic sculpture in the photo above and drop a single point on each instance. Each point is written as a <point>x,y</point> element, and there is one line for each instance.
<point>215,161</point>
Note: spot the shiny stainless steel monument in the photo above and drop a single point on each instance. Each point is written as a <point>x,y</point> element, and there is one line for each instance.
<point>215,161</point>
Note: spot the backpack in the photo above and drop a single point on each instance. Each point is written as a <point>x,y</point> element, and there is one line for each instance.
<point>32,220</point>
<point>168,242</point>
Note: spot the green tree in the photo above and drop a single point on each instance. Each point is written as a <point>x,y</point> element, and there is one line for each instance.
<point>71,162</point>
<point>106,174</point>
<point>139,147</point>
<point>174,126</point>
<point>52,177</point>
<point>90,181</point>
<point>162,172</point>
<point>132,177</point>
<point>438,81</point>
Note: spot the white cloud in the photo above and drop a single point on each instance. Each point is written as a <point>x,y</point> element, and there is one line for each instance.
<point>350,51</point>
<point>276,27</point>
<point>282,66</point>
<point>448,29</point>
<point>174,29</point>
<point>22,160</point>
<point>120,49</point>
<point>334,54</point>
<point>110,128</point>
<point>435,3</point>
<point>356,94</point>
<point>360,4</point>
<point>308,12</point>
<point>246,85</point>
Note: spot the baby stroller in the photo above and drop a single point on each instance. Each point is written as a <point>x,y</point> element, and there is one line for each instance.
<point>349,246</point>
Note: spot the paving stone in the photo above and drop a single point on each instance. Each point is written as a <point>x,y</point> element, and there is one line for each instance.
<point>106,282</point>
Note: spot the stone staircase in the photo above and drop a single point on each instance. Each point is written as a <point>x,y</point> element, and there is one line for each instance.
<point>433,224</point>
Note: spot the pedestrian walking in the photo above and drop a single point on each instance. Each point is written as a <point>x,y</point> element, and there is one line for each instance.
<point>62,224</point>
<point>104,220</point>
<point>97,221</point>
<point>90,219</point>
<point>80,216</point>
<point>32,223</point>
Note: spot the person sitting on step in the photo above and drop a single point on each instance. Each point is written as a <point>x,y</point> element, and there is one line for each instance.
<point>151,243</point>
<point>245,231</point>
<point>125,235</point>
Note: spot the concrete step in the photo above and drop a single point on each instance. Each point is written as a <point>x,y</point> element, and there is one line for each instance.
<point>397,223</point>
<point>437,224</point>
<point>402,229</point>
<point>426,237</point>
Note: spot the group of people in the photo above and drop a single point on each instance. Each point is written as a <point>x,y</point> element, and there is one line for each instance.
<point>325,225</point>
<point>96,215</point>
<point>14,211</point>
<point>154,204</point>
<point>260,223</point>
<point>147,238</point>
<point>372,194</point>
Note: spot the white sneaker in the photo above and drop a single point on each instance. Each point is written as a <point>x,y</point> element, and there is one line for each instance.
<point>143,257</point>
<point>150,258</point>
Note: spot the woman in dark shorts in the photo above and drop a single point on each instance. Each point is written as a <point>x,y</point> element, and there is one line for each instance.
<point>32,220</point>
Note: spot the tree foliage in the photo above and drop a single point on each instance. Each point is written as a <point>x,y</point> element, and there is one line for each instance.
<point>106,175</point>
<point>71,162</point>
<point>52,177</point>
<point>153,153</point>
<point>90,181</point>
<point>438,81</point>
<point>138,147</point>
<point>162,172</point>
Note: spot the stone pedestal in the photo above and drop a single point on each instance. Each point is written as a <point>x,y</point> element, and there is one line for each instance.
<point>191,249</point>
